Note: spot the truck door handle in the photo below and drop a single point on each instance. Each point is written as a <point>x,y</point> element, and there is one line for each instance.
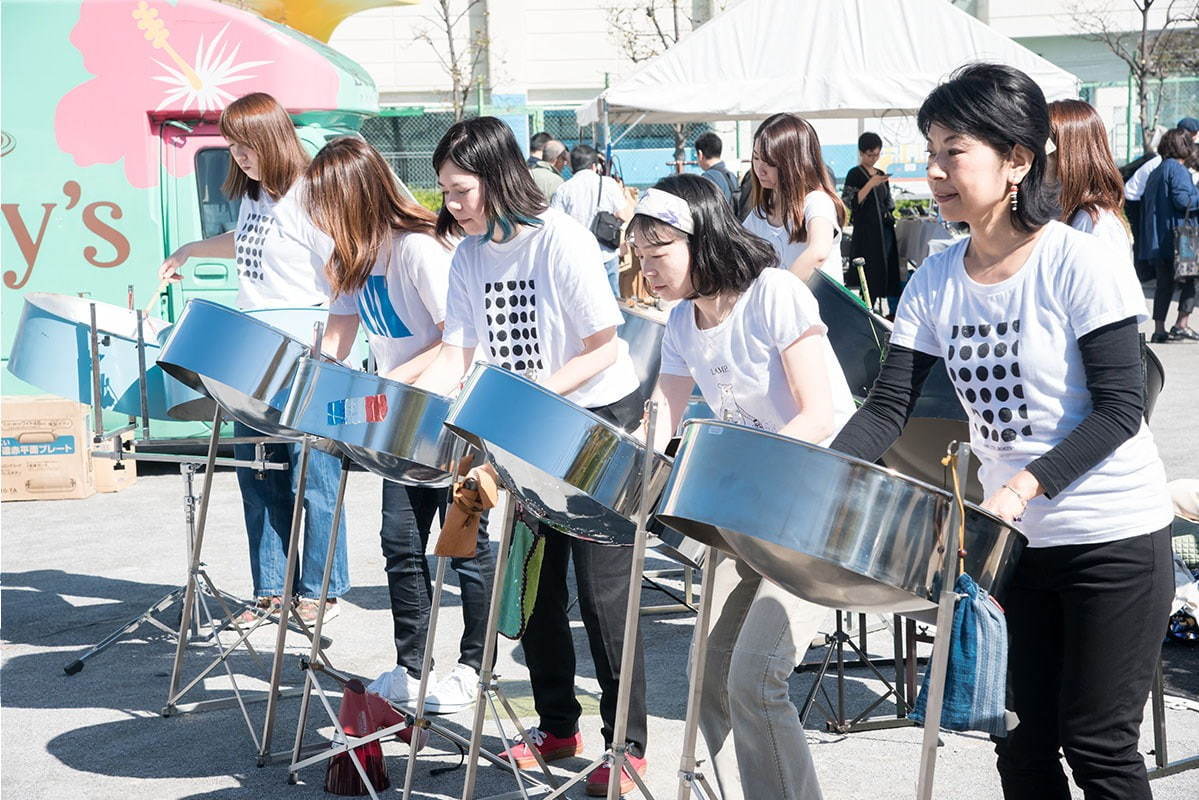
<point>210,271</point>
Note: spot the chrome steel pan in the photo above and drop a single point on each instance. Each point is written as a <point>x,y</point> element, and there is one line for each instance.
<point>643,334</point>
<point>52,351</point>
<point>392,429</point>
<point>677,547</point>
<point>573,469</point>
<point>239,360</point>
<point>829,528</point>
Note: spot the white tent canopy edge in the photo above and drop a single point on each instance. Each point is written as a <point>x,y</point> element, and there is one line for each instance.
<point>817,58</point>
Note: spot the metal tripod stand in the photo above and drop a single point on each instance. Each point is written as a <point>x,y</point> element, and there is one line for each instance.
<point>615,756</point>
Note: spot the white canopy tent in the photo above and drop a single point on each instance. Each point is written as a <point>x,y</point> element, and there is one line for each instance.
<point>816,58</point>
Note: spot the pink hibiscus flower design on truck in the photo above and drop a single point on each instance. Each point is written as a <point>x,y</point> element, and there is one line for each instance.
<point>154,60</point>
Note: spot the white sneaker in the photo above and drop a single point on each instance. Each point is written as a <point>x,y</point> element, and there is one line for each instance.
<point>397,686</point>
<point>454,692</point>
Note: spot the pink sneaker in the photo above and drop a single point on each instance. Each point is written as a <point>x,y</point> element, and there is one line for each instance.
<point>551,747</point>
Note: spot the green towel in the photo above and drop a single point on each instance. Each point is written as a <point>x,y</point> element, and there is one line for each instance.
<point>521,575</point>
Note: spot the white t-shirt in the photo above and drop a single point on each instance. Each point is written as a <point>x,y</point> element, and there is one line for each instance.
<point>815,204</point>
<point>403,299</point>
<point>280,253</point>
<point>1011,349</point>
<point>529,303</point>
<point>579,196</point>
<point>1135,187</point>
<point>1110,230</point>
<point>738,364</point>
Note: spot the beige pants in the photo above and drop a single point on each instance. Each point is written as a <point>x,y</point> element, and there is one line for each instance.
<point>758,634</point>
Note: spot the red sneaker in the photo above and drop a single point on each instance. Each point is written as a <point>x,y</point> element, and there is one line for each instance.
<point>597,781</point>
<point>551,747</point>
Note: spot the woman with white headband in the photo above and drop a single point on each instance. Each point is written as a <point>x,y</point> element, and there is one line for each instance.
<point>753,340</point>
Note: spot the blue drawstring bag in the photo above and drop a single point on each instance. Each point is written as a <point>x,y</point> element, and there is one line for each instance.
<point>976,678</point>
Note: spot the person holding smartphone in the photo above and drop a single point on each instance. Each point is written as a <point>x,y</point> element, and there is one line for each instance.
<point>867,196</point>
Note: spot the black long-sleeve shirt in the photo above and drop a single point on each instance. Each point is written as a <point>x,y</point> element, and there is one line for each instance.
<point>1111,359</point>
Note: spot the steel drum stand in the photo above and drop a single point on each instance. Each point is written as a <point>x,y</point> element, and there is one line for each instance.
<point>191,622</point>
<point>685,603</point>
<point>836,643</point>
<point>489,690</point>
<point>414,716</point>
<point>265,755</point>
<point>691,779</point>
<point>939,663</point>
<point>194,602</point>
<point>615,756</point>
<point>1161,758</point>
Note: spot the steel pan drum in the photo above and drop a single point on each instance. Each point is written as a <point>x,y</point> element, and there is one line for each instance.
<point>643,334</point>
<point>238,359</point>
<point>52,351</point>
<point>392,429</point>
<point>832,529</point>
<point>578,472</point>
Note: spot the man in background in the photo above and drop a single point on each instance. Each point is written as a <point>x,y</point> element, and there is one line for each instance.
<point>537,147</point>
<point>589,192</point>
<point>708,148</point>
<point>547,173</point>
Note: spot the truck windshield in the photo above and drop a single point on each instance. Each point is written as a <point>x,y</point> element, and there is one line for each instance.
<point>218,213</point>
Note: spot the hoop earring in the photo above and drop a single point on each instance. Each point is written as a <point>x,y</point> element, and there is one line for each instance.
<point>1013,198</point>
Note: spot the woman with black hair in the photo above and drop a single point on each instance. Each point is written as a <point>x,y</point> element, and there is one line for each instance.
<point>528,293</point>
<point>752,339</point>
<point>867,196</point>
<point>1037,324</point>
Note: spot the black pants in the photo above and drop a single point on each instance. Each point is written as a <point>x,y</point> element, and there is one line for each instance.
<point>1086,624</point>
<point>1163,291</point>
<point>407,516</point>
<point>602,577</point>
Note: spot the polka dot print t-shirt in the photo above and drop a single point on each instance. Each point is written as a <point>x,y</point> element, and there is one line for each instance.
<point>280,254</point>
<point>527,305</point>
<point>1011,349</point>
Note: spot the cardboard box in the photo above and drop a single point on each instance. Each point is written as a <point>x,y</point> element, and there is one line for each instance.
<point>45,449</point>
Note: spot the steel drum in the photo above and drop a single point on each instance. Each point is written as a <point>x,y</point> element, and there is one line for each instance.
<point>829,528</point>
<point>52,351</point>
<point>576,471</point>
<point>858,337</point>
<point>643,333</point>
<point>393,429</point>
<point>242,362</point>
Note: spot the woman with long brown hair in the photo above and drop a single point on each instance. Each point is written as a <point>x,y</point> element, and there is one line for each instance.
<point>390,271</point>
<point>280,258</point>
<point>795,205</point>
<point>1091,193</point>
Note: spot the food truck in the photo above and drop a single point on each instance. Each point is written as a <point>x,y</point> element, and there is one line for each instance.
<point>111,155</point>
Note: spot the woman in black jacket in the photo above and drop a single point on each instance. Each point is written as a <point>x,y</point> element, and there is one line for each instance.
<point>867,195</point>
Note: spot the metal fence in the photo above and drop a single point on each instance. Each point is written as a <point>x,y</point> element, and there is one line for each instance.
<point>407,140</point>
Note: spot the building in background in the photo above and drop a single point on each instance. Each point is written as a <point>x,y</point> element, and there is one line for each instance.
<point>534,61</point>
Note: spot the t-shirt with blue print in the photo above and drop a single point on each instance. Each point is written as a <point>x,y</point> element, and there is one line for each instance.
<point>403,299</point>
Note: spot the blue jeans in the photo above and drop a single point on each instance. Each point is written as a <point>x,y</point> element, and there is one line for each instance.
<point>267,501</point>
<point>612,267</point>
<point>408,513</point>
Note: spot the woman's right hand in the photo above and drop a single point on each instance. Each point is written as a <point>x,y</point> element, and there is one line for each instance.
<point>171,266</point>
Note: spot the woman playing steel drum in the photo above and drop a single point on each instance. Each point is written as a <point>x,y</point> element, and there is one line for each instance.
<point>1037,324</point>
<point>528,289</point>
<point>390,271</point>
<point>280,264</point>
<point>752,339</point>
<point>795,205</point>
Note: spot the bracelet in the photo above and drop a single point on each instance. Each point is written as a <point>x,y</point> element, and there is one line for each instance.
<point>1019,496</point>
